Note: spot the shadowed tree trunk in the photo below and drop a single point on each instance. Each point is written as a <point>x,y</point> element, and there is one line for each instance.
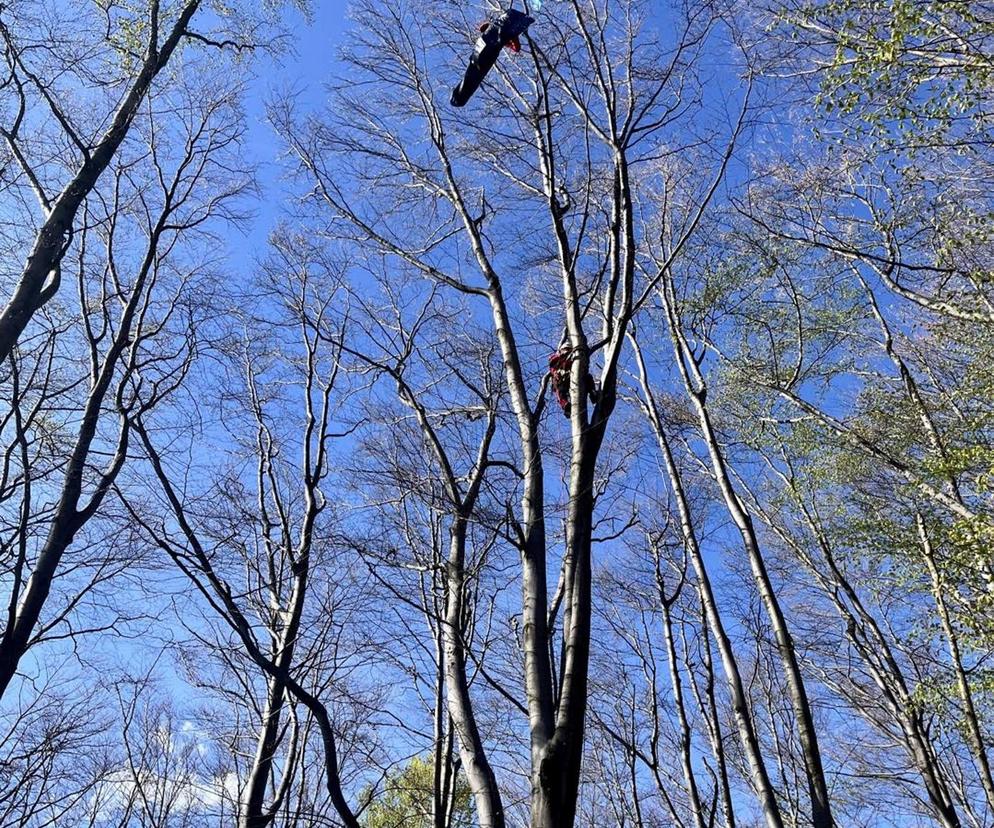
<point>39,280</point>
<point>119,340</point>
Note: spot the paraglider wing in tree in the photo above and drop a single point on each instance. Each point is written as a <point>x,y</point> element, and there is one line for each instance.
<point>494,35</point>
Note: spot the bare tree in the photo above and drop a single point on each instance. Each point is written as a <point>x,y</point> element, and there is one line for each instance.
<point>54,757</point>
<point>259,551</point>
<point>34,78</point>
<point>744,718</point>
<point>395,350</point>
<point>615,449</point>
<point>689,361</point>
<point>62,455</point>
<point>593,253</point>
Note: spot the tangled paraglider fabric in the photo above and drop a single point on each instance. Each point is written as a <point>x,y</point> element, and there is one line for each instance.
<point>502,31</point>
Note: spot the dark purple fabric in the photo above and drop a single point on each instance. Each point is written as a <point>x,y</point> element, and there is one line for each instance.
<point>501,31</point>
<point>511,24</point>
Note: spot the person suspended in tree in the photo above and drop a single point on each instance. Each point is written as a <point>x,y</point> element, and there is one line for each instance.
<point>560,373</point>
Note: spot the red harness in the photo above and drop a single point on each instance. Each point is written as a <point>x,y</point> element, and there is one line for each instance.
<point>513,44</point>
<point>560,365</point>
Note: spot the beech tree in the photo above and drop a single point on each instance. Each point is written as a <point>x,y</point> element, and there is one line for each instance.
<point>59,139</point>
<point>613,450</point>
<point>564,138</point>
<point>66,435</point>
<point>267,573</point>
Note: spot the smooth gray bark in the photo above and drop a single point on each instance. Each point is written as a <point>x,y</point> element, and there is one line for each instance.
<point>694,382</point>
<point>759,776</point>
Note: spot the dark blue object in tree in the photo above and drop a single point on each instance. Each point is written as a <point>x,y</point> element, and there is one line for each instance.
<point>495,34</point>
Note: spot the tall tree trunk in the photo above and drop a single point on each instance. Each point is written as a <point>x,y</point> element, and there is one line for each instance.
<point>476,766</point>
<point>253,814</point>
<point>868,639</point>
<point>970,717</point>
<point>758,774</point>
<point>693,380</point>
<point>556,779</point>
<point>686,757</point>
<point>440,749</point>
<point>709,708</point>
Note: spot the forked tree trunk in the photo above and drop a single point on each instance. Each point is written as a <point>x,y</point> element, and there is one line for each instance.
<point>758,774</point>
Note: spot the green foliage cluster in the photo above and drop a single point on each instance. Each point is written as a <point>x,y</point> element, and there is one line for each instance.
<point>406,800</point>
<point>914,70</point>
<point>865,509</point>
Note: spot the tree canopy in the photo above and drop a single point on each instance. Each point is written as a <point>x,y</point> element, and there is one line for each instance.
<point>615,448</point>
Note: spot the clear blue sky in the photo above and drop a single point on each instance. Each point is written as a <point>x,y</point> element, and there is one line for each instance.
<point>304,70</point>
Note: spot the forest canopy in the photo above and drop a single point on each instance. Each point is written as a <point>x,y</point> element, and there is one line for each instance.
<point>607,442</point>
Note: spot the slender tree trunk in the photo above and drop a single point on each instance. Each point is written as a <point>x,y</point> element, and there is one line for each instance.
<point>821,812</point>
<point>253,813</point>
<point>759,776</point>
<point>440,763</point>
<point>476,766</point>
<point>821,815</point>
<point>710,711</point>
<point>686,758</point>
<point>970,717</point>
<point>869,641</point>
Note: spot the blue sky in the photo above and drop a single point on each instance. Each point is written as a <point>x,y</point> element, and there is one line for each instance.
<point>305,69</point>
